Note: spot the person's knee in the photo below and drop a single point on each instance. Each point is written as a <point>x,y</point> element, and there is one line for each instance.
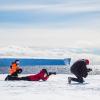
<point>80,79</point>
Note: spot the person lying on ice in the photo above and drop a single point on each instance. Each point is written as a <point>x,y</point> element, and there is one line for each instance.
<point>14,69</point>
<point>80,70</point>
<point>42,75</point>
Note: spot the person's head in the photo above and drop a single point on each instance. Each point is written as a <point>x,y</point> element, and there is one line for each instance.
<point>17,61</point>
<point>44,70</point>
<point>87,61</point>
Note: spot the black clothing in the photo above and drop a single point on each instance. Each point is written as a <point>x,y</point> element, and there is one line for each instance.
<point>10,77</point>
<point>13,78</point>
<point>80,70</point>
<point>17,72</point>
<point>50,73</point>
<point>78,79</point>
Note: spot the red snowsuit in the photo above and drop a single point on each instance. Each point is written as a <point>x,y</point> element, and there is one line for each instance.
<point>42,75</point>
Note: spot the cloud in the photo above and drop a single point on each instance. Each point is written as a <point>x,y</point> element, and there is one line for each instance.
<point>59,7</point>
<point>73,24</point>
<point>49,37</point>
<point>87,44</point>
<point>53,13</point>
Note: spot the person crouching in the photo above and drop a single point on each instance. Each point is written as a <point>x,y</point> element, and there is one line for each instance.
<point>80,70</point>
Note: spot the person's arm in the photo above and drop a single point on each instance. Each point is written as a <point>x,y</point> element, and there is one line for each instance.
<point>45,77</point>
<point>89,69</point>
<point>18,67</point>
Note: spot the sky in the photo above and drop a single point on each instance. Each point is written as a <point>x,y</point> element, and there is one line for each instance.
<point>50,23</point>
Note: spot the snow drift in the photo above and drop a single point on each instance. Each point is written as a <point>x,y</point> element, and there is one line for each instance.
<point>55,88</point>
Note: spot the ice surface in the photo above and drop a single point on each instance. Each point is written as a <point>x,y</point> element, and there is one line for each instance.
<point>55,88</point>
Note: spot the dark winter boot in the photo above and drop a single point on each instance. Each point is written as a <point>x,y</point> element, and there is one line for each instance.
<point>69,80</point>
<point>7,78</point>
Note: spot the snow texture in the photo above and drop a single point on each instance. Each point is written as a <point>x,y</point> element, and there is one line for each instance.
<point>55,88</point>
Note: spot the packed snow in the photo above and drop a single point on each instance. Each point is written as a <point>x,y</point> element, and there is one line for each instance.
<point>55,88</point>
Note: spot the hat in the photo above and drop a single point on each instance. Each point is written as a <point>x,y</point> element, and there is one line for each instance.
<point>17,61</point>
<point>87,62</point>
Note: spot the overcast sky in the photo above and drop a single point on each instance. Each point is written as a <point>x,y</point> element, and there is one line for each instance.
<point>50,23</point>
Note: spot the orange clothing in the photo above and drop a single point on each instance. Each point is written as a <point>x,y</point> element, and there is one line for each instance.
<point>14,68</point>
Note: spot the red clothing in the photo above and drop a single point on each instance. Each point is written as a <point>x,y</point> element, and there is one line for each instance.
<point>42,75</point>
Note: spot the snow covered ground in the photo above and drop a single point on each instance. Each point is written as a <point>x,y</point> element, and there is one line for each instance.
<point>55,88</point>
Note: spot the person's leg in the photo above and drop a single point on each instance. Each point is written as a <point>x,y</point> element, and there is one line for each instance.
<point>25,78</point>
<point>78,79</point>
<point>7,78</point>
<point>12,78</point>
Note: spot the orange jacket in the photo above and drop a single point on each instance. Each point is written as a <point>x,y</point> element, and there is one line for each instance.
<point>14,68</point>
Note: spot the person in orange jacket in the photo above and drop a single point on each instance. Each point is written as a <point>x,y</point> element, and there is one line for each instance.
<point>14,69</point>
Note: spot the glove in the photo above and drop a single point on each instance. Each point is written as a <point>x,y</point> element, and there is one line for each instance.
<point>89,69</point>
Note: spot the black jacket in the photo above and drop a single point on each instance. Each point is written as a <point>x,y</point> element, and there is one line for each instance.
<point>79,68</point>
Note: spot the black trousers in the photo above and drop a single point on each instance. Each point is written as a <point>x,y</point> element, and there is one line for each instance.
<point>12,78</point>
<point>78,79</point>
